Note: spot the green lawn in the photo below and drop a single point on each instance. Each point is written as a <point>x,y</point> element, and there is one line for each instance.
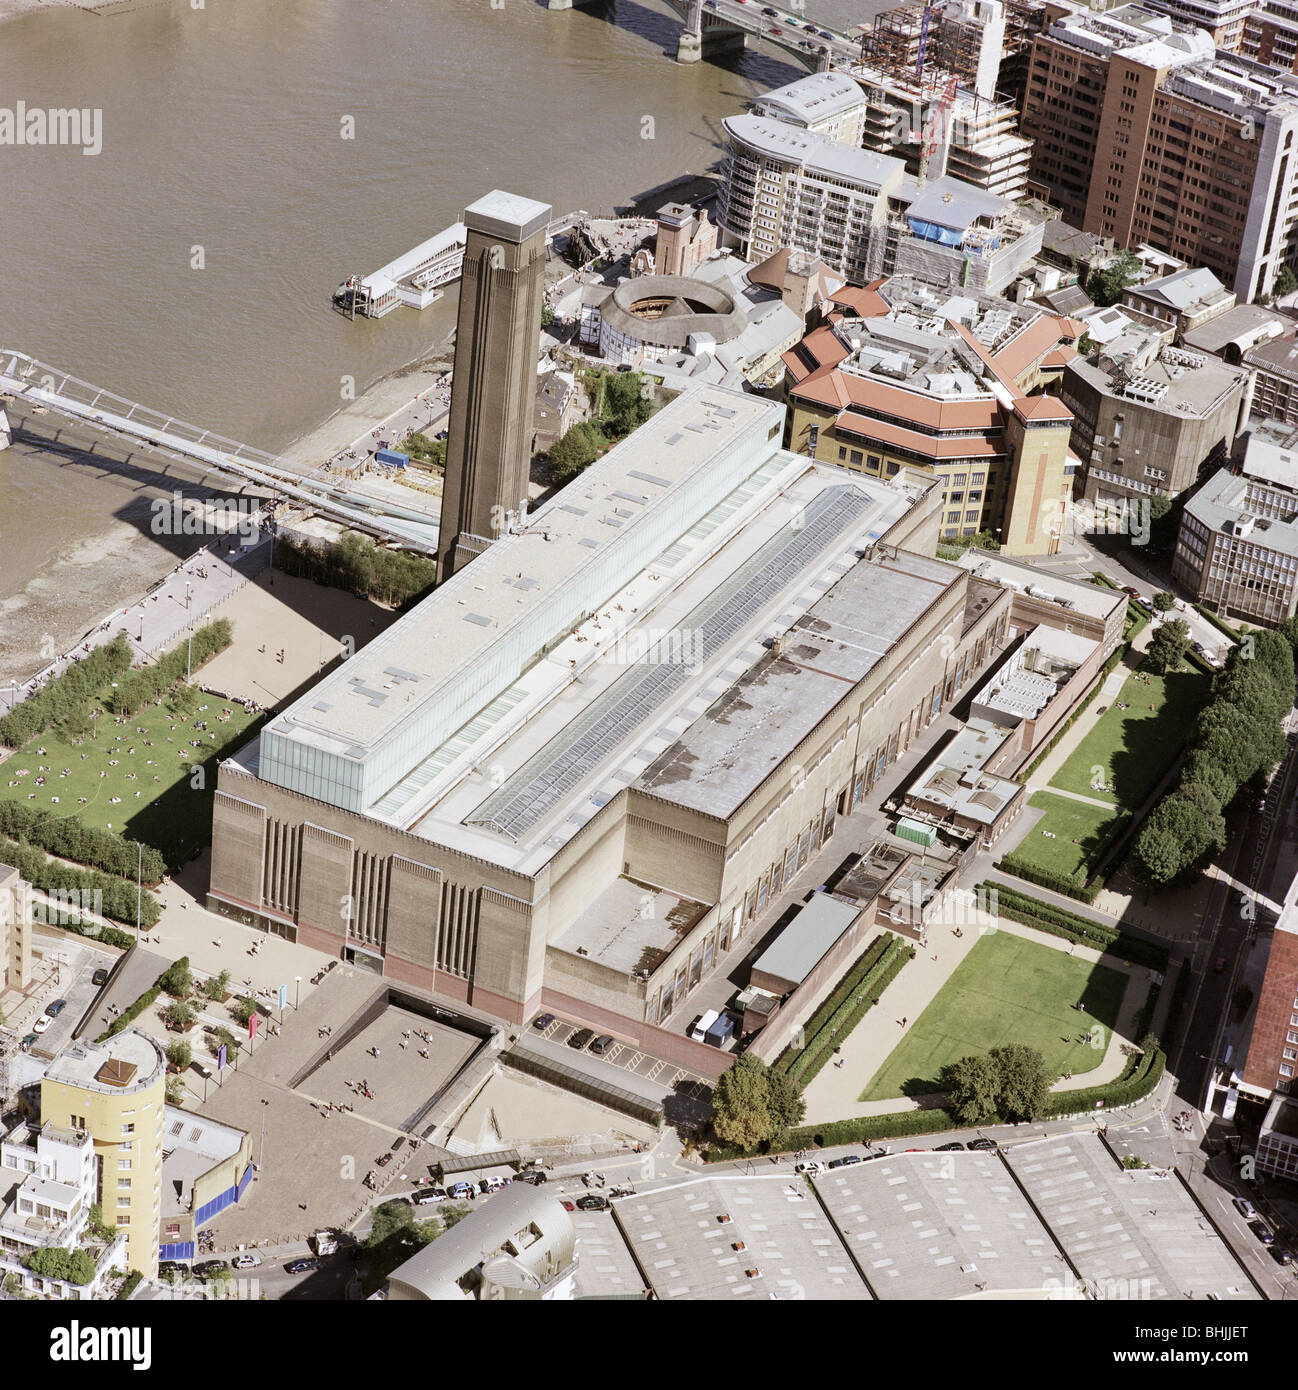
<point>159,806</point>
<point>1006,990</point>
<point>1129,750</point>
<point>1079,834</point>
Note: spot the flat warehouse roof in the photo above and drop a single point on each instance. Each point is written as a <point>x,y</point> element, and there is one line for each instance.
<point>802,945</point>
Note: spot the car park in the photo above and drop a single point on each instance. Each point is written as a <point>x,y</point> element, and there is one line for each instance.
<point>100,977</point>
<point>580,1038</point>
<point>1262,1231</point>
<point>42,1024</point>
<point>948,1148</point>
<point>591,1201</point>
<point>1245,1208</point>
<point>248,1260</point>
<point>981,1145</point>
<point>56,1008</point>
<point>601,1045</point>
<point>542,1021</point>
<point>301,1266</point>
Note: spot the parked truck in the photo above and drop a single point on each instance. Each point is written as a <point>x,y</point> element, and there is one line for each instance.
<point>720,1033</point>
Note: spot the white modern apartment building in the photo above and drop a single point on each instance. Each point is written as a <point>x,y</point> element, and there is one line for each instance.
<point>826,103</point>
<point>48,1183</point>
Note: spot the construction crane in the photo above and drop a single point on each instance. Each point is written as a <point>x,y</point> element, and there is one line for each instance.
<point>939,115</point>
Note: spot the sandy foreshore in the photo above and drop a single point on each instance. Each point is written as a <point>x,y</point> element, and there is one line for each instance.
<point>20,9</point>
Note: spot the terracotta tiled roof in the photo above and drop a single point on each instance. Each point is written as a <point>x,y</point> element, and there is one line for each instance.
<point>935,446</point>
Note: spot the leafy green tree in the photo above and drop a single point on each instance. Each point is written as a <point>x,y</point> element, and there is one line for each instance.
<point>1200,770</point>
<point>177,979</point>
<point>177,1015</point>
<point>1180,830</point>
<point>180,1054</point>
<point>972,1085</point>
<point>217,986</point>
<point>222,1035</point>
<point>741,1102</point>
<point>576,450</point>
<point>243,1008</point>
<point>1168,646</point>
<point>627,401</point>
<point>547,316</point>
<point>1163,600</point>
<point>98,1227</point>
<point>1106,284</point>
<point>784,1101</point>
<point>53,1262</point>
<point>1286,282</point>
<point>1023,1080</point>
<point>1164,521</point>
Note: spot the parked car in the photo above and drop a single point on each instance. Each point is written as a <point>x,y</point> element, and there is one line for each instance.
<point>948,1148</point>
<point>1280,1255</point>
<point>210,1267</point>
<point>591,1201</point>
<point>845,1161</point>
<point>100,977</point>
<point>566,1204</point>
<point>167,1267</point>
<point>581,1037</point>
<point>429,1195</point>
<point>248,1260</point>
<point>621,1192</point>
<point>981,1145</point>
<point>534,1178</point>
<point>1245,1208</point>
<point>30,1040</point>
<point>542,1021</point>
<point>42,1024</point>
<point>461,1191</point>
<point>1130,592</point>
<point>810,1168</point>
<point>1263,1232</point>
<point>493,1184</point>
<point>56,1008</point>
<point>301,1266</point>
<point>601,1045</point>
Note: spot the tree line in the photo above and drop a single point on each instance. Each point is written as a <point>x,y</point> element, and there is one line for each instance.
<point>354,562</point>
<point>146,686</point>
<point>1238,738</point>
<point>69,838</point>
<point>66,694</point>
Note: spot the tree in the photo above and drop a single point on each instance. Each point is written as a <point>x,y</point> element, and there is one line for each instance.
<point>1086,345</point>
<point>179,1054</point>
<point>744,1112</point>
<point>1023,1079</point>
<point>576,450</point>
<point>547,316</point>
<point>1106,284</point>
<point>1168,645</point>
<point>1164,520</point>
<point>972,1085</point>
<point>53,1262</point>
<point>1180,830</point>
<point>1200,770</point>
<point>178,1015</point>
<point>218,986</point>
<point>1286,282</point>
<point>177,979</point>
<point>243,1009</point>
<point>627,401</point>
<point>98,1227</point>
<point>184,700</point>
<point>1163,600</point>
<point>785,1102</point>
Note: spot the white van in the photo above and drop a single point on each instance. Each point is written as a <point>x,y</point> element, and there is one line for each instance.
<point>700,1030</point>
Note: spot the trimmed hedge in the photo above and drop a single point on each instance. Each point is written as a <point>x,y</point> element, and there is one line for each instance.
<point>1063,729</point>
<point>1140,1076</point>
<point>110,936</point>
<point>118,897</point>
<point>871,983</point>
<point>1220,624</point>
<point>1058,921</point>
<point>1072,887</point>
<point>789,1060</point>
<point>74,689</point>
<point>68,838</point>
<point>126,1018</point>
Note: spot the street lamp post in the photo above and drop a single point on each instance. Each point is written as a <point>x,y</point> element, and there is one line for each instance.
<point>297,992</point>
<point>261,1152</point>
<point>139,891</point>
